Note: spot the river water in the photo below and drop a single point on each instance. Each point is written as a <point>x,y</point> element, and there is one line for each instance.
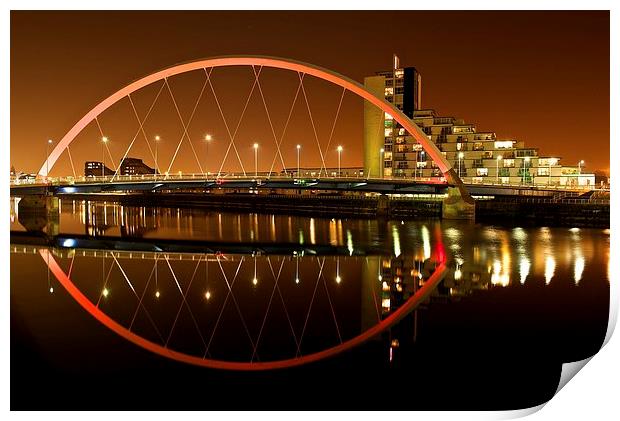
<point>116,307</point>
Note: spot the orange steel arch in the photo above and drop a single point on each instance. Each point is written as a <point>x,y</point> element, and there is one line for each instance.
<point>266,61</point>
<point>107,321</point>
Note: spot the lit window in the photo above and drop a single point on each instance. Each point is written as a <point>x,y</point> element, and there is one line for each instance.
<point>421,164</point>
<point>388,132</point>
<point>388,116</point>
<point>399,73</point>
<point>543,171</point>
<point>389,91</point>
<point>401,131</point>
<point>505,180</point>
<point>478,146</point>
<point>509,163</point>
<point>545,162</point>
<point>482,171</point>
<point>503,144</point>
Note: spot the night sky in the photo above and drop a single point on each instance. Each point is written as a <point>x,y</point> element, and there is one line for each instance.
<point>541,77</point>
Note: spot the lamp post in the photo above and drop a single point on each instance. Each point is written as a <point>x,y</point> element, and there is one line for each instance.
<point>339,153</point>
<point>256,160</point>
<point>104,140</point>
<point>157,138</point>
<point>525,160</point>
<point>580,164</point>
<point>381,151</point>
<point>461,155</point>
<point>499,158</point>
<point>208,139</point>
<point>47,158</point>
<point>298,149</point>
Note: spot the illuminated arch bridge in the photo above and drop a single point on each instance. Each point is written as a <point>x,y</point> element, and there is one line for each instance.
<point>288,127</point>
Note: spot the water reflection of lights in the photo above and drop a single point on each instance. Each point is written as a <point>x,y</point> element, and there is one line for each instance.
<point>580,263</point>
<point>426,242</point>
<point>396,240</point>
<point>497,276</point>
<point>350,242</point>
<point>524,268</point>
<point>312,232</point>
<point>297,270</point>
<point>338,278</point>
<point>549,268</point>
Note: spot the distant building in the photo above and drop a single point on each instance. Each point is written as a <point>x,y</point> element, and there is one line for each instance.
<point>96,169</point>
<point>129,166</point>
<point>135,166</point>
<point>478,157</point>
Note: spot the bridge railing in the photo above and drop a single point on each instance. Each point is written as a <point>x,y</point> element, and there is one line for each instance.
<point>213,177</point>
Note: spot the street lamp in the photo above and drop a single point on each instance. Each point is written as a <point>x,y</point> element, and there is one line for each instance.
<point>208,139</point>
<point>339,153</point>
<point>499,158</point>
<point>461,155</point>
<point>47,158</point>
<point>526,160</point>
<point>256,160</point>
<point>104,140</point>
<point>298,149</point>
<point>157,138</point>
<point>580,164</point>
<point>381,162</point>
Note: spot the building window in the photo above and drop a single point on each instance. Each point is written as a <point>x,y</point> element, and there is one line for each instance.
<point>482,171</point>
<point>399,73</point>
<point>400,90</point>
<point>388,132</point>
<point>477,180</point>
<point>545,162</point>
<point>543,171</point>
<point>459,145</point>
<point>421,164</point>
<point>478,146</point>
<point>509,163</point>
<point>389,91</point>
<point>487,155</point>
<point>503,144</point>
<point>505,180</point>
<point>401,131</point>
<point>388,116</point>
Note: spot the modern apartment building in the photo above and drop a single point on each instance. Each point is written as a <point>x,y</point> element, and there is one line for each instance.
<point>479,157</point>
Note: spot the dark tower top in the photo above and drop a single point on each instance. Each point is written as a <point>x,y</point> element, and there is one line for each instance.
<point>412,91</point>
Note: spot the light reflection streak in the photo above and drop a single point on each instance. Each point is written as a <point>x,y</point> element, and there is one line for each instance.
<point>426,242</point>
<point>396,240</point>
<point>549,268</point>
<point>350,242</point>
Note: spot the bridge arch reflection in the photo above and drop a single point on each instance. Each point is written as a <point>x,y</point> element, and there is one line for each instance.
<point>94,310</point>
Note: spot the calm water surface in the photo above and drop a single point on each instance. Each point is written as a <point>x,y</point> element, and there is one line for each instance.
<point>163,286</point>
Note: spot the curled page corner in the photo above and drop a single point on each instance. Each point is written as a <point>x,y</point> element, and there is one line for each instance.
<point>569,370</point>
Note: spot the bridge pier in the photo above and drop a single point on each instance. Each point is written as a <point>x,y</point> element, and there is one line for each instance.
<point>40,213</point>
<point>459,204</point>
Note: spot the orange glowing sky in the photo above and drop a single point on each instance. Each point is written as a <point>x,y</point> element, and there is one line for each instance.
<point>541,77</point>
